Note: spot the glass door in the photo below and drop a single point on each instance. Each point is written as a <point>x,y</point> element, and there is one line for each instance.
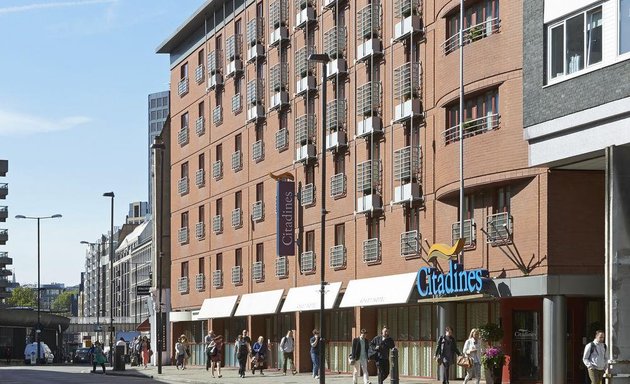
<point>525,346</point>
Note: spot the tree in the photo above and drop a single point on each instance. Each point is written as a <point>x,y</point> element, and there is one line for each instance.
<point>23,297</point>
<point>63,302</point>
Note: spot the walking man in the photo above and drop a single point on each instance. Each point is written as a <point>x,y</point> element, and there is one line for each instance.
<point>287,345</point>
<point>382,344</point>
<point>360,357</point>
<point>445,352</point>
<point>595,358</point>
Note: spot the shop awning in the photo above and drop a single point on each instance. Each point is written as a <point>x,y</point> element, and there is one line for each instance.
<point>179,316</point>
<point>308,298</point>
<point>145,326</point>
<point>260,303</point>
<point>383,290</point>
<point>217,307</point>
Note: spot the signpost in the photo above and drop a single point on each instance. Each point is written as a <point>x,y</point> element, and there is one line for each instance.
<point>143,290</point>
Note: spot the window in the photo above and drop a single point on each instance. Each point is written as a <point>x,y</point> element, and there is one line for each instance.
<point>481,114</point>
<point>469,207</point>
<point>184,120</point>
<point>237,142</point>
<point>259,132</point>
<point>219,261</point>
<point>184,220</point>
<point>310,241</point>
<point>202,161</point>
<point>373,227</point>
<point>502,200</point>
<point>575,43</point>
<point>260,252</point>
<point>219,207</point>
<point>238,197</point>
<point>340,162</point>
<point>624,26</point>
<point>218,153</point>
<point>200,108</point>
<point>202,265</point>
<point>200,57</point>
<point>260,188</point>
<point>183,71</point>
<point>412,218</point>
<point>184,269</point>
<point>481,19</point>
<point>309,174</point>
<point>184,170</point>
<point>202,213</point>
<point>340,234</point>
<point>238,257</point>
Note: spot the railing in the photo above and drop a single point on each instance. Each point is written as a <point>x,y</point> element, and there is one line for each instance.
<point>282,139</point>
<point>473,127</point>
<point>368,98</point>
<point>472,33</point>
<point>255,92</point>
<point>199,74</point>
<point>200,282</point>
<point>338,256</point>
<point>338,185</point>
<point>282,266</point>
<point>200,178</point>
<point>217,115</point>
<point>182,284</point>
<point>406,8</point>
<point>182,185</point>
<point>279,77</point>
<point>217,224</point>
<point>407,81</point>
<point>278,14</point>
<point>217,169</point>
<point>237,275</point>
<point>307,262</point>
<point>335,42</point>
<point>470,237</point>
<point>499,228</point>
<point>217,278</point>
<point>237,105</point>
<point>237,161</point>
<point>258,211</point>
<point>406,163</point>
<point>233,47</point>
<point>258,274</point>
<point>409,244</point>
<point>305,129</point>
<point>200,125</point>
<point>304,67</point>
<point>372,251</point>
<point>369,21</point>
<point>182,136</point>
<point>182,87</point>
<point>237,218</point>
<point>214,62</point>
<point>258,151</point>
<point>182,235</point>
<point>335,114</point>
<point>200,230</point>
<point>308,195</point>
<point>255,28</point>
<point>368,175</point>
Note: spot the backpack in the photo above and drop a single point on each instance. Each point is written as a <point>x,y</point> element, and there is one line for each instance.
<point>594,349</point>
<point>213,350</point>
<point>283,342</point>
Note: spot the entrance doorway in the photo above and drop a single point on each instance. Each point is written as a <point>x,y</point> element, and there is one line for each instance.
<point>525,346</point>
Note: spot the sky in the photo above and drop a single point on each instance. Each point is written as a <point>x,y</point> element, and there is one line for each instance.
<point>74,80</point>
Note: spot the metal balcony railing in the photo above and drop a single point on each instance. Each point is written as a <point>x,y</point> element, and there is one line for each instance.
<point>335,42</point>
<point>258,271</point>
<point>369,21</point>
<point>279,77</point>
<point>200,125</point>
<point>338,185</point>
<point>409,244</point>
<point>278,14</point>
<point>338,256</point>
<point>182,185</point>
<point>258,151</point>
<point>237,218</point>
<point>369,98</point>
<point>368,175</point>
<point>406,8</point>
<point>182,136</point>
<point>237,161</point>
<point>182,235</point>
<point>305,129</point>
<point>255,31</point>
<point>472,34</point>
<point>282,267</point>
<point>335,115</point>
<point>255,92</point>
<point>214,61</point>
<point>233,48</point>
<point>304,67</point>
<point>499,228</point>
<point>217,169</point>
<point>200,178</point>
<point>237,275</point>
<point>470,237</point>
<point>307,262</point>
<point>308,195</point>
<point>407,81</point>
<point>200,230</point>
<point>217,115</point>
<point>199,74</point>
<point>200,282</point>
<point>217,278</point>
<point>182,87</point>
<point>237,104</point>
<point>372,251</point>
<point>282,139</point>
<point>473,127</point>
<point>258,211</point>
<point>407,163</point>
<point>217,224</point>
<point>182,284</point>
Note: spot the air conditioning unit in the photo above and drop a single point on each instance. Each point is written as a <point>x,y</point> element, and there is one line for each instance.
<point>336,67</point>
<point>233,67</point>
<point>369,48</point>
<point>369,203</point>
<point>407,110</point>
<point>215,80</point>
<point>305,84</point>
<point>407,193</point>
<point>369,125</point>
<point>305,152</point>
<point>256,112</point>
<point>304,16</point>
<point>409,25</point>
<point>279,34</point>
<point>255,52</point>
<point>336,139</point>
<point>278,99</point>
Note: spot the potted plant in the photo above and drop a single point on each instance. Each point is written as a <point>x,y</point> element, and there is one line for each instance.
<point>493,358</point>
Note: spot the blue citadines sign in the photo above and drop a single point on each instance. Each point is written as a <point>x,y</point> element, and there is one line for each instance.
<point>432,282</point>
<point>285,223</point>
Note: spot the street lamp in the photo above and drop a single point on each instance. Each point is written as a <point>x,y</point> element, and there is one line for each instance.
<point>98,285</point>
<point>111,277</point>
<point>324,59</point>
<point>39,327</point>
<point>159,145</point>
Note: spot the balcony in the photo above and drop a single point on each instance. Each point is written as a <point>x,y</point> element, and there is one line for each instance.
<point>4,190</point>
<point>237,275</point>
<point>368,106</point>
<point>304,85</point>
<point>200,282</point>
<point>499,229</point>
<point>470,233</point>
<point>338,185</point>
<point>372,251</point>
<point>473,127</point>
<point>237,161</point>
<point>336,67</point>
<point>368,175</point>
<point>258,271</point>
<point>335,140</point>
<point>407,92</point>
<point>282,139</point>
<point>237,218</point>
<point>215,79</point>
<point>217,169</point>
<point>217,224</point>
<point>304,71</point>
<point>279,100</point>
<point>182,136</point>
<point>258,211</point>
<point>368,32</point>
<point>278,21</point>
<point>200,126</point>
<point>410,244</point>
<point>337,257</point>
<point>282,267</point>
<point>335,123</point>
<point>308,195</point>
<point>237,104</point>
<point>255,96</point>
<point>182,284</point>
<point>369,48</point>
<point>4,213</point>
<point>5,259</point>
<point>182,186</point>
<point>472,34</point>
<point>217,278</point>
<point>182,235</point>
<point>305,129</point>
<point>369,203</point>
<point>335,40</point>
<point>182,87</point>
<point>200,230</point>
<point>199,74</point>
<point>307,262</point>
<point>407,165</point>
<point>408,12</point>
<point>305,13</point>
<point>200,178</point>
<point>278,84</point>
<point>258,151</point>
<point>278,35</point>
<point>4,236</point>
<point>217,115</point>
<point>255,50</point>
<point>305,152</point>
<point>233,56</point>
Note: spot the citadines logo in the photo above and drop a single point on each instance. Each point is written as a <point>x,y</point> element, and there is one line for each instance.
<point>432,282</point>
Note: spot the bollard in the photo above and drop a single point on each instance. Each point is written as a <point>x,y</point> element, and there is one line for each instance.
<point>394,371</point>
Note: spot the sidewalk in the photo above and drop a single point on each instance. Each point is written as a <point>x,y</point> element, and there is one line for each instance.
<point>199,375</point>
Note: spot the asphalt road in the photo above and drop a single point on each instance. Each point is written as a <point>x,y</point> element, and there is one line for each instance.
<point>60,375</point>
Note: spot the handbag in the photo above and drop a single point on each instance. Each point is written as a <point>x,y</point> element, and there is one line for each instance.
<point>464,361</point>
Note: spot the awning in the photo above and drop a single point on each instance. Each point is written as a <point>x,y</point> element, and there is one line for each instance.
<point>177,317</point>
<point>308,298</point>
<point>128,336</point>
<point>145,326</point>
<point>260,303</point>
<point>217,307</point>
<point>383,290</point>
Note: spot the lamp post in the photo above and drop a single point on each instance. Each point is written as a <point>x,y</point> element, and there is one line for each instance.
<point>159,145</point>
<point>324,59</point>
<point>38,330</point>
<point>111,277</point>
<point>98,284</point>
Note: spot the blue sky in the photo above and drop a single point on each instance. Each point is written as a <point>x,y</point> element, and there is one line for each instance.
<point>74,80</point>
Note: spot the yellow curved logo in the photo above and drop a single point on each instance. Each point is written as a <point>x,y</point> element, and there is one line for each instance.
<point>444,251</point>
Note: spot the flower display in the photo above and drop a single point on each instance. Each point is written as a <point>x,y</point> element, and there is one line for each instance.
<point>493,357</point>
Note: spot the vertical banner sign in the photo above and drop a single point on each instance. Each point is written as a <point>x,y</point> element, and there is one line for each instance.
<point>285,222</point>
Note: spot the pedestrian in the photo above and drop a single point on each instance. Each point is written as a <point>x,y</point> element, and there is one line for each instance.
<point>209,342</point>
<point>180,353</point>
<point>248,340</point>
<point>184,340</point>
<point>241,348</point>
<point>7,354</point>
<point>472,350</point>
<point>145,348</point>
<point>98,357</point>
<point>445,352</point>
<point>287,345</point>
<point>359,357</point>
<point>594,357</point>
<point>216,354</point>
<point>382,344</point>
<point>315,352</point>
<point>259,349</point>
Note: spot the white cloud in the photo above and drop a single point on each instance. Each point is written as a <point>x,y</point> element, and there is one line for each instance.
<point>59,4</point>
<point>12,123</point>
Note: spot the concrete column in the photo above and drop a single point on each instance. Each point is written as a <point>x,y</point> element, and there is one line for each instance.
<point>446,317</point>
<point>554,340</point>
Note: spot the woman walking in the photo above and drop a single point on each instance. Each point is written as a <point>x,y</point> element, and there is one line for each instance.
<point>445,352</point>
<point>180,354</point>
<point>259,350</point>
<point>471,349</point>
<point>216,354</point>
<point>98,357</point>
<point>146,351</point>
<point>241,348</point>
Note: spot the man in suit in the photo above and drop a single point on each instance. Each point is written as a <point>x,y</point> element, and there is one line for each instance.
<point>359,356</point>
<point>382,344</point>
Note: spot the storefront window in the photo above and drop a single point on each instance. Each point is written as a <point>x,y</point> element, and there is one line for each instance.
<point>525,348</point>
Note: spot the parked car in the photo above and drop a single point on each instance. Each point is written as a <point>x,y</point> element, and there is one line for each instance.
<point>45,357</point>
<point>82,356</point>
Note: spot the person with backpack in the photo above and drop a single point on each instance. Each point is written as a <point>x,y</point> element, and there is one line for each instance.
<point>209,342</point>
<point>180,353</point>
<point>445,352</point>
<point>287,345</point>
<point>216,354</point>
<point>594,357</point>
<point>381,345</point>
<point>241,347</point>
